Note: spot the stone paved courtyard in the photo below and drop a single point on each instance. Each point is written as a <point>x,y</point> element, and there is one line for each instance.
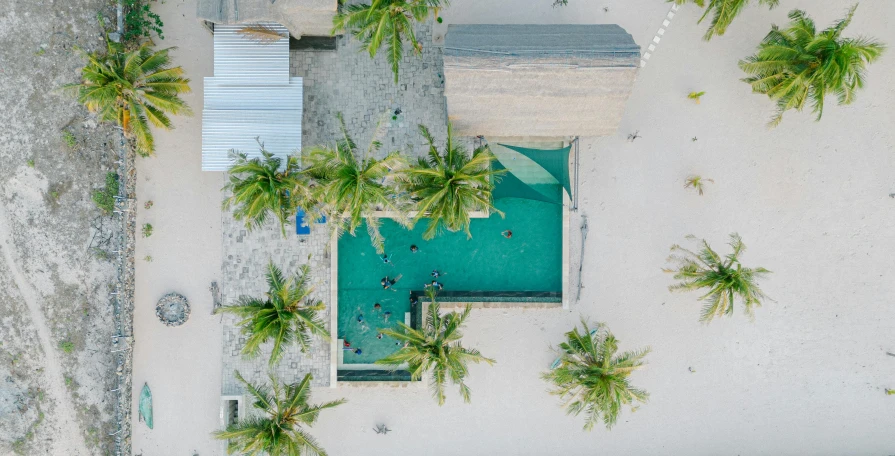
<point>363,90</point>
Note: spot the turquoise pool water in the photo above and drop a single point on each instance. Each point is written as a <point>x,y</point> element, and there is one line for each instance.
<point>531,261</point>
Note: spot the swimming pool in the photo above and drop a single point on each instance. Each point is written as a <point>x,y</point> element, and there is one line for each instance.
<point>487,265</point>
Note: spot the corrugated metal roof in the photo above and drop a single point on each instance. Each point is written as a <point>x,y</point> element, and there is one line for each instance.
<point>251,98</point>
<point>250,61</point>
<point>226,130</point>
<point>225,95</point>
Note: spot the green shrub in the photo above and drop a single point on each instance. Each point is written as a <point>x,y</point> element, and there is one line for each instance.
<point>67,346</point>
<point>140,21</point>
<point>69,139</point>
<point>105,198</point>
<point>147,230</point>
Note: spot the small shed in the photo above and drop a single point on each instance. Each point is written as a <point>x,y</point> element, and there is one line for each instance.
<point>300,17</point>
<point>251,98</point>
<point>538,80</point>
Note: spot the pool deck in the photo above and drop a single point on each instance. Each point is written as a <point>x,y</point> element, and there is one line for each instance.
<point>335,344</point>
<point>333,82</point>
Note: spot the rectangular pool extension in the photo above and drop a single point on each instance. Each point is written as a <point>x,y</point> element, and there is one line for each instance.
<point>488,267</point>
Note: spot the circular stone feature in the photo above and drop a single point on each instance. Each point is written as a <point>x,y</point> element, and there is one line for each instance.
<point>173,309</point>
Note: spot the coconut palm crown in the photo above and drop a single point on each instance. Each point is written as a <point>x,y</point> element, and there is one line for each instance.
<point>287,315</point>
<point>723,278</point>
<point>351,186</point>
<point>133,88</point>
<point>435,347</point>
<point>448,186</point>
<point>798,65</point>
<point>592,377</point>
<point>260,188</point>
<point>723,13</point>
<point>385,21</point>
<point>279,430</point>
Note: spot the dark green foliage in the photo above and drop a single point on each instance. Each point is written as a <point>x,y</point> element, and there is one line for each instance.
<point>799,65</point>
<point>722,278</point>
<point>140,21</point>
<point>592,377</point>
<point>447,186</point>
<point>278,426</point>
<point>105,197</point>
<point>436,348</point>
<point>286,316</point>
<point>386,23</point>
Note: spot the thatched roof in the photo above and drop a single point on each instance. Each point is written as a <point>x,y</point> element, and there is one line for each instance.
<point>300,17</point>
<point>538,80</point>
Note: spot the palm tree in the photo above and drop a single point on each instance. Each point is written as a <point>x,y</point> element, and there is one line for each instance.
<point>133,88</point>
<point>389,21</point>
<point>724,12</point>
<point>260,189</point>
<point>799,65</point>
<point>448,186</point>
<point>351,187</point>
<point>279,431</point>
<point>285,316</point>
<point>697,183</point>
<point>435,347</point>
<point>592,378</point>
<point>724,278</point>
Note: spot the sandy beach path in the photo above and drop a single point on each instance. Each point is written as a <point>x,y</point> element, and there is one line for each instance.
<point>182,365</point>
<point>68,425</point>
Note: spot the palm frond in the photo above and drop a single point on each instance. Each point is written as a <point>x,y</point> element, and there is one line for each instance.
<point>593,378</point>
<point>798,66</point>
<point>724,279</point>
<point>436,349</point>
<point>278,430</point>
<point>261,33</point>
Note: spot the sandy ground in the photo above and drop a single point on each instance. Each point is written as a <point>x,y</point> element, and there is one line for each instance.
<point>181,365</point>
<point>55,267</point>
<point>811,201</point>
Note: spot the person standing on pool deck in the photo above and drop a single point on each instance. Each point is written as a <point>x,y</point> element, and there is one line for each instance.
<point>507,234</point>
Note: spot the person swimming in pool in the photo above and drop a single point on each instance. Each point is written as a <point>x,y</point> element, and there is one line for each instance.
<point>435,284</point>
<point>346,345</point>
<point>435,273</point>
<point>358,352</point>
<point>360,318</point>
<point>387,259</point>
<point>377,306</point>
<point>387,283</point>
<point>507,234</point>
<point>414,249</point>
<point>386,316</point>
<point>379,336</point>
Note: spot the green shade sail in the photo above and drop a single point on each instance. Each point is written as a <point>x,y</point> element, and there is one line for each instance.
<point>532,173</point>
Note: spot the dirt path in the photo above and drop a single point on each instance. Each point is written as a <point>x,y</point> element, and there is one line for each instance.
<point>64,413</point>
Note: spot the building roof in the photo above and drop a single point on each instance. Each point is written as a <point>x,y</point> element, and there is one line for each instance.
<point>300,17</point>
<point>538,80</point>
<point>251,98</point>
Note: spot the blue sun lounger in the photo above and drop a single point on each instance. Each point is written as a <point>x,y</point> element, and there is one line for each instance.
<point>302,227</point>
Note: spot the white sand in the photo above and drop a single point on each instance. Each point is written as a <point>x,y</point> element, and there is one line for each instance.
<point>810,200</point>
<point>182,365</point>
